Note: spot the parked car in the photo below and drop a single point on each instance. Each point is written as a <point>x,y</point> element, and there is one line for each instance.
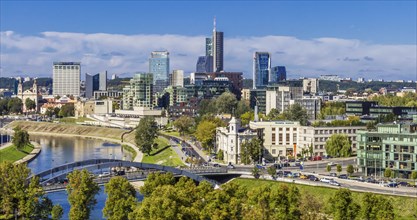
<point>391,184</point>
<point>331,163</point>
<point>317,158</point>
<point>313,178</point>
<point>286,173</point>
<point>404,184</point>
<point>333,174</point>
<point>104,174</point>
<point>216,165</point>
<point>296,175</point>
<point>303,177</point>
<point>325,180</point>
<point>343,176</point>
<point>260,167</point>
<point>334,183</point>
<point>230,166</point>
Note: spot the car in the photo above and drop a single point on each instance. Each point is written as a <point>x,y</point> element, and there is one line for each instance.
<point>331,163</point>
<point>120,173</point>
<point>303,177</point>
<point>342,176</point>
<point>316,158</point>
<point>280,173</point>
<point>404,184</point>
<point>313,178</point>
<point>104,174</point>
<point>260,167</point>
<point>230,166</point>
<point>370,180</point>
<point>334,183</point>
<point>296,175</point>
<point>391,184</point>
<point>286,173</point>
<point>216,165</point>
<point>333,174</point>
<point>325,180</point>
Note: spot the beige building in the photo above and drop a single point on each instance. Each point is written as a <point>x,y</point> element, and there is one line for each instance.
<point>32,94</point>
<point>311,85</point>
<point>245,94</point>
<point>98,107</point>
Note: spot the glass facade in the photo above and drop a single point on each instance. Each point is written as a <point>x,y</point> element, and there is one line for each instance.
<point>159,67</point>
<point>261,69</point>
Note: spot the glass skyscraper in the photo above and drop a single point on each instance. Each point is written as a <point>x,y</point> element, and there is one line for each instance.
<point>159,67</point>
<point>217,51</point>
<point>261,69</point>
<point>97,82</point>
<point>278,74</point>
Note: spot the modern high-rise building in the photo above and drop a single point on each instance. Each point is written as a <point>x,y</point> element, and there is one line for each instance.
<point>261,69</point>
<point>139,92</point>
<point>209,46</point>
<point>66,78</point>
<point>278,74</point>
<point>177,78</point>
<point>204,64</point>
<point>97,82</point>
<point>217,42</point>
<point>159,67</point>
<point>311,85</point>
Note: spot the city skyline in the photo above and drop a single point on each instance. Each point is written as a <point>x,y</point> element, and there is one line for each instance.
<point>386,50</point>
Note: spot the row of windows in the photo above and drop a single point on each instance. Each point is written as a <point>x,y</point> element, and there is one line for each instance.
<point>346,131</point>
<point>66,67</point>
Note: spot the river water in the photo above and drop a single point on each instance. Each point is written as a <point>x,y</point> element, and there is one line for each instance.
<point>59,150</point>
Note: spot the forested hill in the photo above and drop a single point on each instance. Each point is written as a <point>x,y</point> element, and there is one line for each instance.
<point>331,86</point>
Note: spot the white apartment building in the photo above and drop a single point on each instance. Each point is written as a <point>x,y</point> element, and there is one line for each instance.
<point>311,85</point>
<point>230,138</point>
<point>66,78</point>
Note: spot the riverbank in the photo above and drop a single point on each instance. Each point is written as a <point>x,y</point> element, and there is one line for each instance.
<point>9,152</point>
<point>72,130</point>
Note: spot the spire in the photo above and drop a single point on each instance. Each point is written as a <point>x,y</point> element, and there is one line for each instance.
<point>214,24</point>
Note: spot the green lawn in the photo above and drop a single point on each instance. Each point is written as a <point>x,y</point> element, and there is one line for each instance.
<point>404,206</point>
<point>163,155</point>
<point>131,150</point>
<point>173,133</point>
<point>12,154</point>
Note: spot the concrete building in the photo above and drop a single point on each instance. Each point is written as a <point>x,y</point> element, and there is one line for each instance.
<point>139,93</point>
<point>230,138</point>
<point>66,78</point>
<point>282,97</point>
<point>108,93</point>
<point>392,146</point>
<point>311,85</point>
<point>97,82</point>
<point>217,42</point>
<point>159,67</point>
<point>245,95</point>
<point>261,69</point>
<point>32,94</point>
<point>177,78</point>
<point>312,105</point>
<point>177,95</point>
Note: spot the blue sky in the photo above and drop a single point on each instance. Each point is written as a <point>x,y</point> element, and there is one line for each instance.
<point>365,24</point>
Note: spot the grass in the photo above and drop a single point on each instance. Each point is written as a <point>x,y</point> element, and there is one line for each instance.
<point>173,133</point>
<point>72,120</point>
<point>131,150</point>
<point>163,155</point>
<point>13,154</point>
<point>403,206</point>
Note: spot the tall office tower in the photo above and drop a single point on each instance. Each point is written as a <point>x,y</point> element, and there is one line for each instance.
<point>97,82</point>
<point>217,49</point>
<point>66,78</point>
<point>261,69</point>
<point>177,78</point>
<point>159,67</point>
<point>209,46</point>
<point>204,64</point>
<point>139,92</point>
<point>278,74</point>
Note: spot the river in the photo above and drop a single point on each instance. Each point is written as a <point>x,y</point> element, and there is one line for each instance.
<point>59,150</point>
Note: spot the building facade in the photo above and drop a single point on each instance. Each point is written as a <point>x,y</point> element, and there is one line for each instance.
<point>261,69</point>
<point>177,78</point>
<point>392,146</point>
<point>159,67</point>
<point>279,74</point>
<point>66,78</point>
<point>311,85</point>
<point>32,94</point>
<point>217,50</point>
<point>139,93</point>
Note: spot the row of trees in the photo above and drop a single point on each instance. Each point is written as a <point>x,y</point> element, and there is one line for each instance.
<point>10,105</point>
<point>409,99</point>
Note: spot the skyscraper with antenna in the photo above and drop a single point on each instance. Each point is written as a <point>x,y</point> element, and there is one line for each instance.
<point>217,48</point>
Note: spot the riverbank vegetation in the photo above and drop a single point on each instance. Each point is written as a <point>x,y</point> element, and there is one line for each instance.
<point>130,150</point>
<point>163,155</point>
<point>13,154</point>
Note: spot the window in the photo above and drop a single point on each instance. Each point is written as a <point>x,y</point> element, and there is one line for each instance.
<point>274,151</point>
<point>273,129</point>
<point>273,138</point>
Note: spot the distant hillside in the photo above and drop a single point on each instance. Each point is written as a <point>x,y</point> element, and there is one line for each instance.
<point>331,86</point>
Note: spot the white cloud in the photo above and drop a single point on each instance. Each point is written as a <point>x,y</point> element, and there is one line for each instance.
<point>130,53</point>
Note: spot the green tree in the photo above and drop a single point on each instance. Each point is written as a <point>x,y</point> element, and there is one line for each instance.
<point>15,105</point>
<point>256,172</point>
<point>205,133</point>
<point>20,138</point>
<point>81,191</point>
<point>4,107</point>
<point>339,168</point>
<point>155,180</point>
<point>207,107</point>
<point>220,154</point>
<point>67,110</point>
<point>246,117</point>
<point>273,115</point>
<point>241,108</point>
<point>272,171</point>
<point>250,151</point>
<point>145,134</point>
<point>20,196</point>
<point>310,207</point>
<point>350,169</point>
<point>184,123</point>
<point>328,168</point>
<point>342,206</point>
<point>30,104</point>
<point>414,175</point>
<point>49,112</point>
<point>387,173</point>
<point>226,102</point>
<point>120,200</point>
<point>296,112</point>
<point>376,207</point>
<point>57,212</point>
<point>338,145</point>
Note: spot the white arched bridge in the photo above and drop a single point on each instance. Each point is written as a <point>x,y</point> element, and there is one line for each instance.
<point>52,179</point>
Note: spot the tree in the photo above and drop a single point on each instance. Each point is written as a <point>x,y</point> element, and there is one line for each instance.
<point>310,207</point>
<point>145,134</point>
<point>81,191</point>
<point>387,173</point>
<point>220,154</point>
<point>338,145</point>
<point>296,112</point>
<point>207,107</point>
<point>226,102</point>
<point>205,133</point>
<point>20,196</point>
<point>184,123</point>
<point>15,105</point>
<point>155,180</point>
<point>342,206</point>
<point>376,207</point>
<point>20,138</point>
<point>273,115</point>
<point>246,117</point>
<point>350,169</point>
<point>256,172</point>
<point>414,175</point>
<point>57,212</point>
<point>250,151</point>
<point>67,110</point>
<point>30,104</point>
<point>241,108</point>
<point>339,168</point>
<point>328,168</point>
<point>121,199</point>
<point>272,171</point>
<point>49,112</point>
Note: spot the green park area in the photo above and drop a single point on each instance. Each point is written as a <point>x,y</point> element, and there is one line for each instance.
<point>163,155</point>
<point>12,154</point>
<point>403,206</point>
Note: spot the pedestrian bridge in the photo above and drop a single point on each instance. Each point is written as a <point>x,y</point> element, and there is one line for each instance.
<point>49,179</point>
